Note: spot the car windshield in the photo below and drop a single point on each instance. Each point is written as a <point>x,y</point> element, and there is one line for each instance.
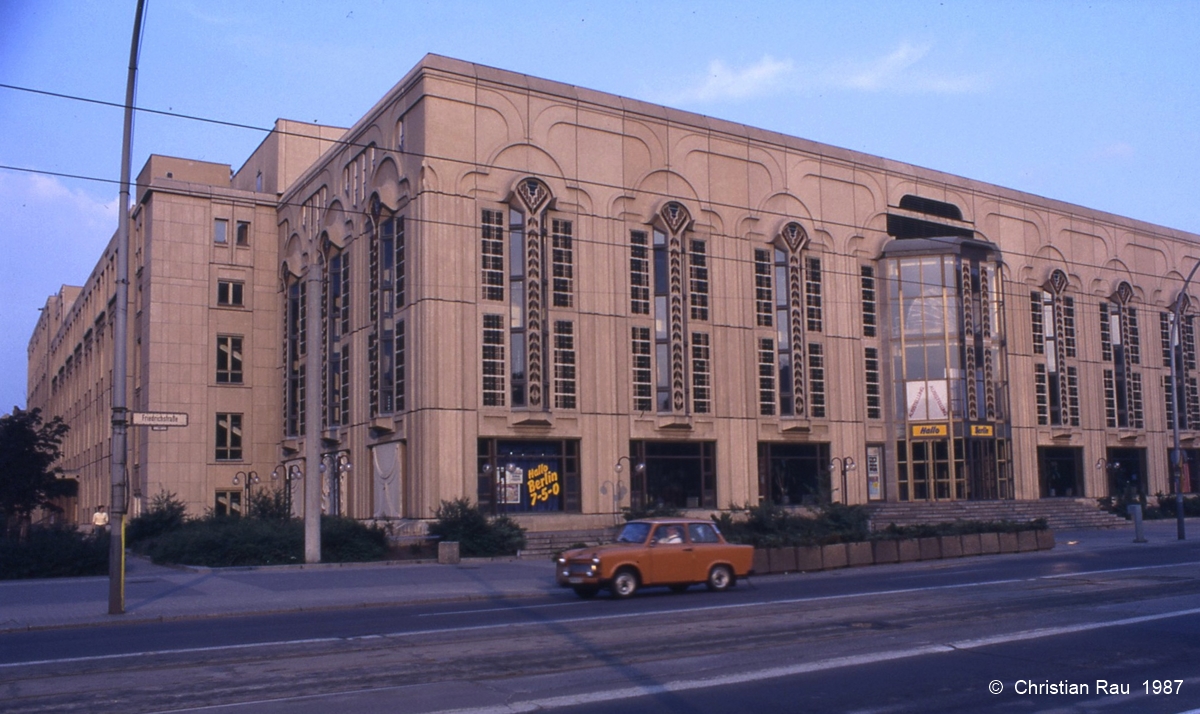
<point>634,533</point>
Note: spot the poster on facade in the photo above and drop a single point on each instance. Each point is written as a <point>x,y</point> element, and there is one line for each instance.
<point>927,400</point>
<point>874,473</point>
<point>510,486</point>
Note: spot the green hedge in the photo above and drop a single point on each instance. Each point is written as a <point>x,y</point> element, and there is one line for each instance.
<point>770,526</point>
<point>224,542</point>
<point>54,552</point>
<point>477,534</point>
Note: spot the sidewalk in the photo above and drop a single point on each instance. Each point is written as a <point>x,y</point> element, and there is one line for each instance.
<point>155,593</point>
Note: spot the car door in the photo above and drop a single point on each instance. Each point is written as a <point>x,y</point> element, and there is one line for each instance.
<point>669,562</point>
<point>707,549</point>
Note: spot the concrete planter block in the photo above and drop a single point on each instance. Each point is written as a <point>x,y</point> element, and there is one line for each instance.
<point>834,556</point>
<point>448,553</point>
<point>971,544</point>
<point>782,560</point>
<point>808,558</point>
<point>886,551</point>
<point>931,548</point>
<point>859,554</point>
<point>989,543</point>
<point>762,565</point>
<point>1008,542</point>
<point>1045,539</point>
<point>1026,541</point>
<point>952,546</point>
<point>910,550</point>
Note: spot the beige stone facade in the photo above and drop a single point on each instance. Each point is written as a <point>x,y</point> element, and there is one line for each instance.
<point>559,302</point>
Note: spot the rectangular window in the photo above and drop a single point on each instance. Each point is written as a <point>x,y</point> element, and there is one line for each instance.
<point>220,231</point>
<point>562,262</point>
<point>243,233</point>
<point>639,273</point>
<point>344,393</point>
<point>1068,325</point>
<point>766,377</point>
<point>698,280</point>
<point>1073,395</point>
<point>869,305</point>
<point>1170,403</point>
<point>564,364</point>
<point>1037,319</point>
<point>643,389</point>
<point>874,384</point>
<point>763,298</point>
<point>816,381</point>
<point>228,503</point>
<point>1110,399</point>
<point>231,293</point>
<point>812,294</point>
<point>493,360</point>
<point>229,437</point>
<point>1106,347</point>
<point>399,264</point>
<point>1135,398</point>
<point>1132,339</point>
<point>492,255</point>
<point>229,359</point>
<point>379,401</point>
<point>701,374</point>
<point>1192,409</point>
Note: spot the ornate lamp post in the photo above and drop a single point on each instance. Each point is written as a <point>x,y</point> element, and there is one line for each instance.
<point>250,479</point>
<point>846,463</point>
<point>617,489</point>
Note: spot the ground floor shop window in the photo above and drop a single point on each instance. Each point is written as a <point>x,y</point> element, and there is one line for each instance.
<point>517,476</point>
<point>1126,473</point>
<point>1189,473</point>
<point>678,474</point>
<point>1060,471</point>
<point>794,474</point>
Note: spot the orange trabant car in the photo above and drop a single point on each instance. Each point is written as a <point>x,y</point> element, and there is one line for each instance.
<point>672,552</point>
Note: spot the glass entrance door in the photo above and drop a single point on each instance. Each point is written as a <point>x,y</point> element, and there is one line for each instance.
<point>930,471</point>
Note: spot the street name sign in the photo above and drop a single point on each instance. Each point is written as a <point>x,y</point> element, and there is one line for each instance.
<point>159,419</point>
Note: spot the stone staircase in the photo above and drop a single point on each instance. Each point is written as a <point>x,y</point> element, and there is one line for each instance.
<point>1060,513</point>
<point>544,544</point>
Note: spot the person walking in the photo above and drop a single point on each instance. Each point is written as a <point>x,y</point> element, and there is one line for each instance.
<point>100,519</point>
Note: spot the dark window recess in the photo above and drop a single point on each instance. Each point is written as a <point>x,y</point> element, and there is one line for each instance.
<point>904,227</point>
<point>931,207</point>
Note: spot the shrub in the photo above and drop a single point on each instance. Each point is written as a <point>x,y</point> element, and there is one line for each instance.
<point>166,513</point>
<point>1165,506</point>
<point>476,534</point>
<point>224,542</point>
<point>269,504</point>
<point>54,552</point>
<point>770,526</point>
<point>654,510</point>
<point>927,530</point>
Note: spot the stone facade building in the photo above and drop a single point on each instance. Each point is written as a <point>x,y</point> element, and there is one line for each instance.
<point>558,302</point>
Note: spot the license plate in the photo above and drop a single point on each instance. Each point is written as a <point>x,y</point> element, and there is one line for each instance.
<point>575,581</point>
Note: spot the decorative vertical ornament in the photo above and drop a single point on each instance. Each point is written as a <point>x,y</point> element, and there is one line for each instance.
<point>535,199</point>
<point>972,368</point>
<point>796,240</point>
<point>676,218</point>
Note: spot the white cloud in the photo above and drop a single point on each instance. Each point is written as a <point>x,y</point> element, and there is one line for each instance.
<point>903,70</point>
<point>723,82</point>
<point>49,193</point>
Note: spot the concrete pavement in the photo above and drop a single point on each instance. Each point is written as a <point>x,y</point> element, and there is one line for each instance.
<point>155,593</point>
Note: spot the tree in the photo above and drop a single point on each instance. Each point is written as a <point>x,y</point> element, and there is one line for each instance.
<point>28,478</point>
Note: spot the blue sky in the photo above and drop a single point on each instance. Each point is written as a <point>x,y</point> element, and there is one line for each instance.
<point>1095,103</point>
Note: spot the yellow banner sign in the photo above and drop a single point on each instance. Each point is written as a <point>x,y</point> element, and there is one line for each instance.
<point>977,430</point>
<point>926,430</point>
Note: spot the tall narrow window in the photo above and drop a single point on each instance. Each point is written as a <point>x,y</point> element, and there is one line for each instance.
<point>816,380</point>
<point>639,273</point>
<point>763,296</point>
<point>869,304</point>
<point>698,280</point>
<point>643,389</point>
<point>229,437</point>
<point>564,364</point>
<point>399,263</point>
<point>492,254</point>
<point>563,263</point>
<point>873,383</point>
<point>400,385</point>
<point>343,395</point>
<point>295,348</point>
<point>662,337</point>
<point>1037,322</point>
<point>493,361</point>
<point>812,294</point>
<point>519,288</point>
<point>220,231</point>
<point>766,377</point>
<point>1041,394</point>
<point>229,359</point>
<point>701,374</point>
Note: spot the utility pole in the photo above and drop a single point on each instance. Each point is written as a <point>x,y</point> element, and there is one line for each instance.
<point>313,477</point>
<point>1176,385</point>
<point>120,476</point>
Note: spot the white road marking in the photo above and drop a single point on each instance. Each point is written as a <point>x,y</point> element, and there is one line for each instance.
<point>571,620</point>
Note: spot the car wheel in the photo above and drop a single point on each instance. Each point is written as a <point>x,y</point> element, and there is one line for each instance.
<point>680,588</point>
<point>625,583</point>
<point>720,578</point>
<point>586,591</point>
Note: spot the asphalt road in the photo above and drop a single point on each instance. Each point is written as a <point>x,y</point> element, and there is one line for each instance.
<point>924,637</point>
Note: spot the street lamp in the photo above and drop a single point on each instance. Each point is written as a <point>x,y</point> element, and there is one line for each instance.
<point>290,473</point>
<point>250,479</point>
<point>1176,384</point>
<point>846,463</point>
<point>615,487</point>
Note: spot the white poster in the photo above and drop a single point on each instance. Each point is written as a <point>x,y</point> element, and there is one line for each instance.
<point>386,463</point>
<point>927,400</point>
